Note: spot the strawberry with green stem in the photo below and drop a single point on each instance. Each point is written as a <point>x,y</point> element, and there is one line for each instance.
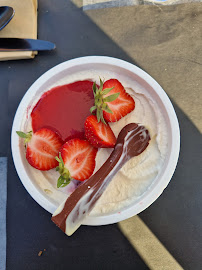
<point>64,178</point>
<point>76,160</point>
<point>112,102</point>
<point>41,148</point>
<point>101,101</point>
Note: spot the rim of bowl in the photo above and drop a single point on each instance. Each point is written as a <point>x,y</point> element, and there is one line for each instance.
<point>157,188</point>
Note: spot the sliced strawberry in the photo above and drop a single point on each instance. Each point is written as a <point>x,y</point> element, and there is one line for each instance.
<point>99,134</point>
<point>42,147</point>
<point>78,161</point>
<point>122,105</point>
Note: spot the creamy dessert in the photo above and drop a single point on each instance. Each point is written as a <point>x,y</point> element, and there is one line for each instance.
<point>138,174</point>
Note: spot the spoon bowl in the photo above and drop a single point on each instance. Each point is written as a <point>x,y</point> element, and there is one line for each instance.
<point>6,14</point>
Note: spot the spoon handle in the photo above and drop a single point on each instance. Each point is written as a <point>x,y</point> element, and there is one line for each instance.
<point>70,215</point>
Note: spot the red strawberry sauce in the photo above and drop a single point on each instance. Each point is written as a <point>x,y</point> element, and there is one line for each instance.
<point>64,109</point>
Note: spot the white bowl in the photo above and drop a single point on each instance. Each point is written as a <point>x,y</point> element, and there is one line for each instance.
<point>56,74</point>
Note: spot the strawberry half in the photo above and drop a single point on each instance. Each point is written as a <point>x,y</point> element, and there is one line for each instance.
<point>122,105</point>
<point>42,147</point>
<point>76,160</point>
<point>99,134</point>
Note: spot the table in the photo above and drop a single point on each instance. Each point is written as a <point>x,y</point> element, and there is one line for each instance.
<point>138,35</point>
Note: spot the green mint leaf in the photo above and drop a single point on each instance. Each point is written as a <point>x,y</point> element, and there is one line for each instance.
<point>92,109</point>
<point>106,91</point>
<point>111,97</point>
